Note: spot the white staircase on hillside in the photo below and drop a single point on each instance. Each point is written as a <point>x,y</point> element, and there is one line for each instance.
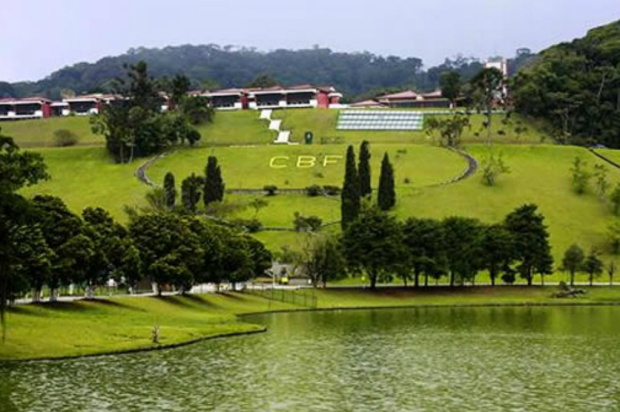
<point>284,136</point>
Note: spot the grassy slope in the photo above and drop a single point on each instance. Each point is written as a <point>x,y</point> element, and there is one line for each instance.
<point>249,167</point>
<point>120,324</point>
<point>323,125</point>
<point>86,176</point>
<point>40,132</point>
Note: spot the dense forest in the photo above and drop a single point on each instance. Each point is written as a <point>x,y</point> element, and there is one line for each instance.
<point>575,86</point>
<point>211,66</point>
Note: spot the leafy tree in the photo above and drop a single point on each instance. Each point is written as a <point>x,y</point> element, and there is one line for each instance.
<point>257,204</point>
<point>573,261</point>
<point>197,110</point>
<point>613,235</point>
<point>350,204</point>
<point>492,167</point>
<point>322,260</point>
<point>178,89</point>
<point>593,265</point>
<point>611,270</point>
<point>32,260</point>
<point>450,84</point>
<point>260,256</point>
<point>307,224</point>
<point>386,198</point>
<point>65,138</point>
<point>364,170</point>
<point>600,176</point>
<point>424,239</point>
<point>531,241</point>
<point>170,251</point>
<point>373,245</point>
<point>61,227</point>
<point>614,197</point>
<point>170,191</point>
<point>462,243</point>
<point>449,129</point>
<point>487,88</point>
<point>581,175</point>
<point>498,250</point>
<point>214,184</point>
<point>264,80</point>
<point>191,191</point>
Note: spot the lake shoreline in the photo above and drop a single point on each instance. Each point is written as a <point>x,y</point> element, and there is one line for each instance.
<point>382,299</point>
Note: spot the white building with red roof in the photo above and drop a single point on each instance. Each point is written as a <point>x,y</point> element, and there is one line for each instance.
<point>25,108</point>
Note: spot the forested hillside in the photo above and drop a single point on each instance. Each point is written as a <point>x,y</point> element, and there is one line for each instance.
<point>354,74</point>
<point>576,87</point>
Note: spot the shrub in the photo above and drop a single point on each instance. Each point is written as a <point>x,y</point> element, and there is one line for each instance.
<point>332,190</point>
<point>307,224</point>
<point>271,190</point>
<point>65,138</point>
<point>406,181</point>
<point>314,190</point>
<point>251,225</point>
<point>509,278</point>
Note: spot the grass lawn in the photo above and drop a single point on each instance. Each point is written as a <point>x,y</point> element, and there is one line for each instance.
<point>236,128</point>
<point>121,324</point>
<point>87,176</point>
<point>255,167</point>
<point>322,123</point>
<point>40,132</point>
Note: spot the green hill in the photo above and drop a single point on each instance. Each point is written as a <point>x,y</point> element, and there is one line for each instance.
<point>540,173</point>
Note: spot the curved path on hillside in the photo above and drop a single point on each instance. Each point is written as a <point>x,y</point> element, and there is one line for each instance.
<point>472,167</point>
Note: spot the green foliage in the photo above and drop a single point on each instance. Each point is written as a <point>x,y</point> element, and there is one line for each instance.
<point>386,198</point>
<point>613,236</point>
<point>271,190</point>
<point>191,191</point>
<point>170,191</point>
<point>424,240</point>
<point>531,240</point>
<point>373,245</point>
<point>581,175</point>
<point>498,251</point>
<point>322,260</point>
<point>486,93</point>
<point>264,80</point>
<point>314,191</point>
<point>450,85</point>
<point>307,224</point>
<point>593,265</point>
<point>213,184</point>
<point>601,181</point>
<point>614,197</point>
<point>574,86</point>
<point>492,167</point>
<point>573,261</point>
<point>257,204</point>
<point>65,138</point>
<point>462,242</point>
<point>364,170</point>
<point>450,129</point>
<point>350,203</point>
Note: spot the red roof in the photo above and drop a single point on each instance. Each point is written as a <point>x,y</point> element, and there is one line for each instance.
<point>367,103</point>
<point>407,94</point>
<point>34,99</point>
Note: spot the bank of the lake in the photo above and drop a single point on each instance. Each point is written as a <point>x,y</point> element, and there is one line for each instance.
<point>80,328</point>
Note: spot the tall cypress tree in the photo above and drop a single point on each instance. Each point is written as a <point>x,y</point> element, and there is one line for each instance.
<point>364,169</point>
<point>387,194</point>
<point>214,184</point>
<point>170,192</point>
<point>350,206</point>
<point>190,192</point>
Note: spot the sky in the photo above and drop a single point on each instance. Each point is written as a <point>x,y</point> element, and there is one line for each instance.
<point>41,36</point>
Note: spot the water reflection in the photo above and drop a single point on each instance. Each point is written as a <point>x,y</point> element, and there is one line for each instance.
<point>492,359</point>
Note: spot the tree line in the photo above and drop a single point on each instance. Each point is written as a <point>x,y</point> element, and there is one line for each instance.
<point>420,251</point>
<point>43,243</point>
<point>358,75</point>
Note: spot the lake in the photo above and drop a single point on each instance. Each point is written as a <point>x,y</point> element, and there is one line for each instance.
<point>435,359</point>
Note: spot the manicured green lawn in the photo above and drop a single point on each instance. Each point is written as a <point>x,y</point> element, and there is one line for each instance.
<point>87,176</point>
<point>121,324</point>
<point>79,328</point>
<point>236,128</point>
<point>304,165</point>
<point>323,123</point>
<point>40,132</point>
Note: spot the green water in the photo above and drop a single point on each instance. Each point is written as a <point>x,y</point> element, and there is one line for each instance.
<point>479,359</point>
